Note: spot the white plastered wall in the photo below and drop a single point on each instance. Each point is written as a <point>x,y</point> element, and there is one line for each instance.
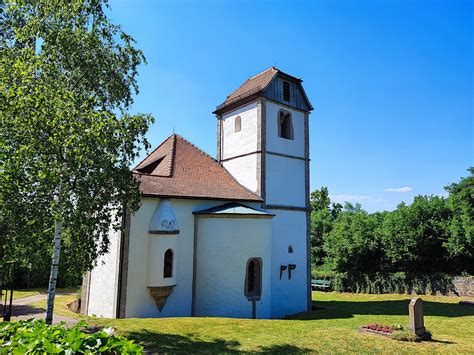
<point>223,249</point>
<point>139,303</point>
<point>285,186</point>
<point>244,141</point>
<point>243,168</point>
<point>104,281</point>
<point>289,296</point>
<point>285,181</point>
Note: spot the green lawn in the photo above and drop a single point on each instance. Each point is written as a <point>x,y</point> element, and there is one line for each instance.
<point>32,292</point>
<point>24,293</point>
<point>334,329</point>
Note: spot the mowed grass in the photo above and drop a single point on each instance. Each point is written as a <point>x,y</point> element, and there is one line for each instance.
<point>334,329</point>
<point>33,292</point>
<point>24,293</point>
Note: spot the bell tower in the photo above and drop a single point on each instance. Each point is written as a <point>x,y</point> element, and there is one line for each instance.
<point>263,141</point>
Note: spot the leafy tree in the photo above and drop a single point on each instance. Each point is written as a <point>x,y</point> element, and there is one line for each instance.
<point>352,208</point>
<point>460,243</point>
<point>323,215</point>
<point>413,235</point>
<point>67,78</point>
<point>431,235</point>
<point>353,245</point>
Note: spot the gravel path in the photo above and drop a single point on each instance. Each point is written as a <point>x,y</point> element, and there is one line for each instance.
<point>21,310</point>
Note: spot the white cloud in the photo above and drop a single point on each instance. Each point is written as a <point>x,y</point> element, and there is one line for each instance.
<point>399,189</point>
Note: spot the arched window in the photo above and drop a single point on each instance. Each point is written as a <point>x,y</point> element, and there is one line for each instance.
<point>238,124</point>
<point>253,278</point>
<point>285,125</point>
<point>168,264</point>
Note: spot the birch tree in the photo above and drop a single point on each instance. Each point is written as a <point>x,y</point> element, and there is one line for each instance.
<point>67,139</point>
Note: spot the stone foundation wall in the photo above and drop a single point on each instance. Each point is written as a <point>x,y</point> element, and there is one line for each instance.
<point>464,286</point>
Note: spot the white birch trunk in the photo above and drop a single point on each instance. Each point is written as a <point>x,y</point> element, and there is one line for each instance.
<point>53,277</point>
<point>54,271</point>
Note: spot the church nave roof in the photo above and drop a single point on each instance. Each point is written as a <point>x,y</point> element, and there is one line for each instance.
<point>177,168</point>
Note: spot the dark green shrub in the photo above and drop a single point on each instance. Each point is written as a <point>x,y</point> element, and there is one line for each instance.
<point>407,335</point>
<point>35,336</point>
<point>323,274</point>
<point>378,282</point>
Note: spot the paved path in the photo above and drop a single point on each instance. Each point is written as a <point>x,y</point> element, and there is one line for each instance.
<point>21,310</point>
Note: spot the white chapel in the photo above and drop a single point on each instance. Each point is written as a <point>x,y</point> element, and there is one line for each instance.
<point>225,237</point>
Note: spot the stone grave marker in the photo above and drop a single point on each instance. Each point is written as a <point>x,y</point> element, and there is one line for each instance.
<point>416,323</point>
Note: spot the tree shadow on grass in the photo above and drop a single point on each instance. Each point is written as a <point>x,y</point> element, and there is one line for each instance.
<point>284,349</point>
<point>23,310</point>
<point>347,309</point>
<point>440,341</point>
<point>155,342</point>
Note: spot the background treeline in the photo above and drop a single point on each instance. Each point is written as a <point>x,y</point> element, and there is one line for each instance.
<point>29,245</point>
<point>33,262</point>
<point>416,247</point>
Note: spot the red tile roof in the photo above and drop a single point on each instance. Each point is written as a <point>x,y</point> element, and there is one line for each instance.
<point>179,169</point>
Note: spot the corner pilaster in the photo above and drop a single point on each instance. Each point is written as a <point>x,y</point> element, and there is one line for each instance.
<point>123,270</point>
<point>219,138</point>
<point>308,207</point>
<point>261,148</point>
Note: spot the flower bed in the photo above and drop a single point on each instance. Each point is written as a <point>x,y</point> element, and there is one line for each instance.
<point>396,332</point>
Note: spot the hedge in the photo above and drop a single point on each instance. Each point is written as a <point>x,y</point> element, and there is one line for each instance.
<point>379,282</point>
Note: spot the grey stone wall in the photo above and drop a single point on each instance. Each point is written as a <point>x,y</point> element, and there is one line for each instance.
<point>464,286</point>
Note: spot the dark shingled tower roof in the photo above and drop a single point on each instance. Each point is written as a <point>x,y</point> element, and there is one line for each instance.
<point>255,86</point>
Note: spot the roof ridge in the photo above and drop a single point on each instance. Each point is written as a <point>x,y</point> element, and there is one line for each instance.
<point>173,154</point>
<point>262,72</point>
<point>251,78</point>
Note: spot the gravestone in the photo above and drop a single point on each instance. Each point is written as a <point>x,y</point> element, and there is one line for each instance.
<point>415,310</point>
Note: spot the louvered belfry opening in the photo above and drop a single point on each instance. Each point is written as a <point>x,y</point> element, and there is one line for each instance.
<point>286,91</point>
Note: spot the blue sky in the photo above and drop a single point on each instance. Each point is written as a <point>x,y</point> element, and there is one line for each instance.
<point>391,82</point>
